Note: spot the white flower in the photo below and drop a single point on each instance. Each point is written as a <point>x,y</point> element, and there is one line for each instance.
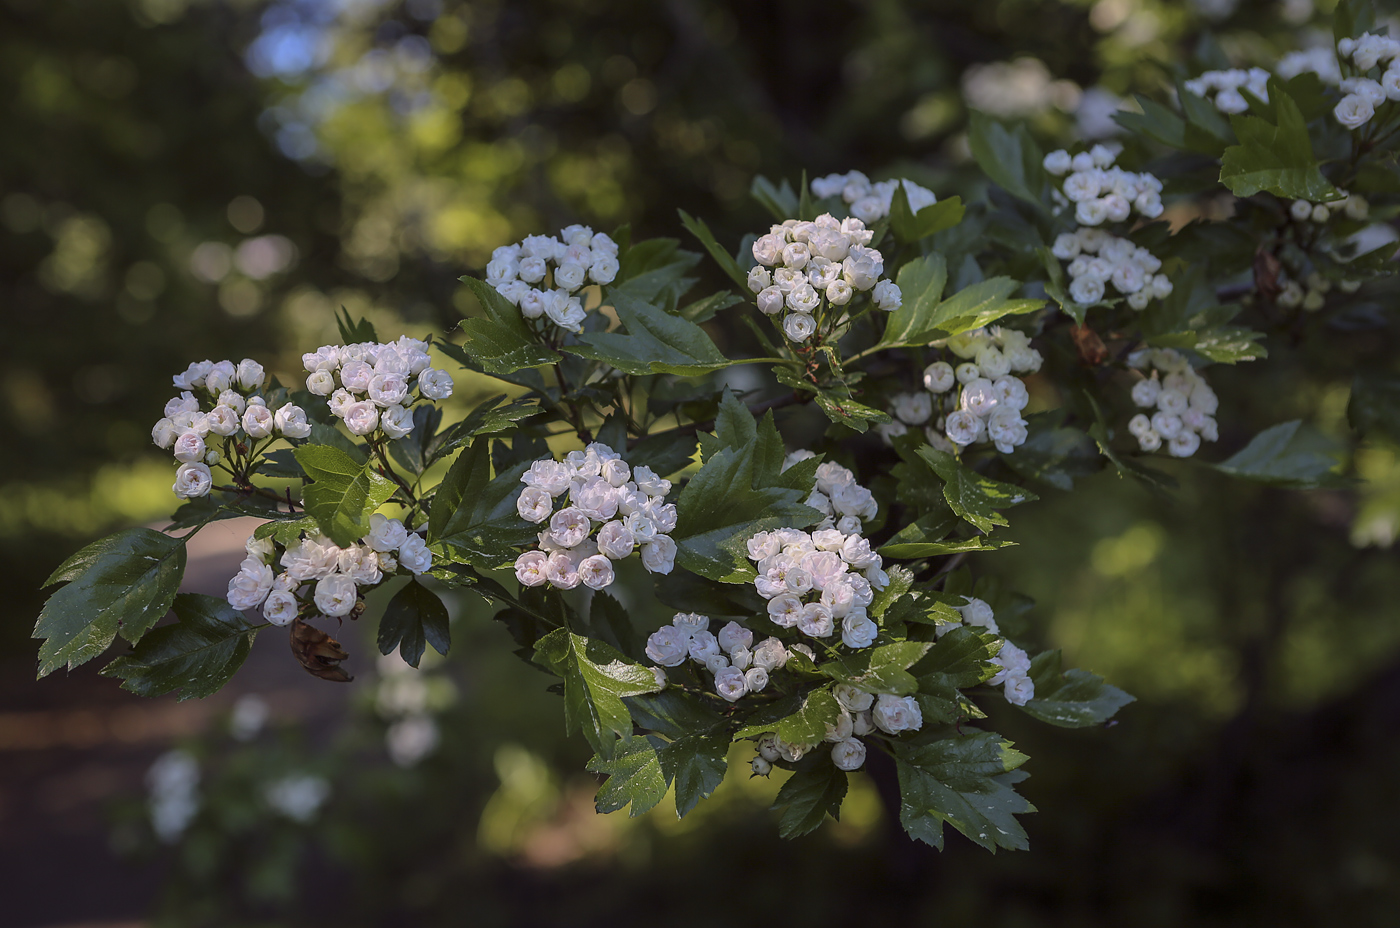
<point>192,480</point>
<point>604,268</point>
<point>977,612</point>
<point>531,568</point>
<point>1019,690</point>
<point>414,554</point>
<point>913,408</point>
<point>1086,289</point>
<point>250,586</point>
<point>1057,162</point>
<point>887,296</point>
<point>596,572</point>
<point>569,276</point>
<point>769,654</point>
<point>335,595</point>
<point>839,292</point>
<point>731,683</point>
<point>894,714</point>
<point>1353,111</point>
<point>250,374</point>
<point>615,541</point>
<point>189,447</point>
<point>321,383</point>
<point>385,534</point>
<point>962,427</point>
<point>1006,429</point>
<point>733,636</point>
<point>220,377</point>
<point>659,555</point>
<point>785,609</point>
<point>803,299</point>
<point>668,646</point>
<point>164,432</point>
<point>1149,441</point>
<point>979,397</point>
<point>361,417</point>
<point>193,375</point>
<point>551,476</point>
<point>280,607</point>
<point>388,389</point>
<point>799,327</point>
<point>939,377</point>
<point>258,421</point>
<point>534,504</point>
<point>858,630</point>
<point>816,621</point>
<point>852,699</point>
<point>291,421</point>
<point>848,755</point>
<point>771,300</point>
<point>435,384</point>
<point>1184,444</point>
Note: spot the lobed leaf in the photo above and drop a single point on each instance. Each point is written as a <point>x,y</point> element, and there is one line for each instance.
<point>196,656</point>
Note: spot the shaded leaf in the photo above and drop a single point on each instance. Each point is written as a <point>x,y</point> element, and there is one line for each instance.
<point>1073,698</point>
<point>961,779</point>
<point>414,616</point>
<point>197,655</point>
<point>880,670</point>
<point>596,678</point>
<point>1290,454</point>
<point>1277,158</point>
<point>123,583</point>
<point>696,764</point>
<point>633,776</point>
<point>814,791</point>
<point>344,494</point>
<point>972,496</point>
<point>500,342</point>
<point>656,342</point>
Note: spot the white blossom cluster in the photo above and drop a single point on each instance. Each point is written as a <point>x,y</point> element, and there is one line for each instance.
<point>610,510</point>
<point>871,202</point>
<point>338,573</point>
<point>844,504</point>
<point>1311,292</point>
<point>835,572</point>
<point>541,274</point>
<point>298,796</point>
<point>861,714</point>
<point>234,410</point>
<point>1097,259</point>
<point>1364,94</point>
<point>1353,207</point>
<point>979,400</point>
<point>1181,401</point>
<point>738,665</point>
<point>803,266</point>
<point>1223,88</point>
<point>1100,191</point>
<point>173,781</point>
<point>1015,664</point>
<point>1321,61</point>
<point>369,385</point>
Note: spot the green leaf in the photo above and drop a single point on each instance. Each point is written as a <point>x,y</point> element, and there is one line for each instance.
<point>664,453</point>
<point>345,493</point>
<point>697,765</point>
<point>653,271</point>
<point>1072,699</point>
<point>633,776</point>
<point>909,226</point>
<point>674,713</point>
<point>1053,454</point>
<point>1275,158</point>
<point>1290,454</point>
<point>880,670</point>
<point>500,342</point>
<point>414,616</point>
<point>596,678</point>
<point>814,790</point>
<point>924,537</point>
<point>123,583</point>
<point>476,515</point>
<point>781,202</point>
<point>656,342</point>
<point>703,310</point>
<point>197,655</point>
<point>921,284</point>
<point>797,720</point>
<point>322,434</point>
<point>1229,344</point>
<point>959,659</point>
<point>836,402</point>
<point>961,779</point>
<point>1374,408</point>
<point>737,492</point>
<point>1010,158</point>
<point>1153,479</point>
<point>487,418</point>
<point>1155,121</point>
<point>287,531</point>
<point>972,496</point>
<point>979,305</point>
<point>726,261</point>
<point>353,331</point>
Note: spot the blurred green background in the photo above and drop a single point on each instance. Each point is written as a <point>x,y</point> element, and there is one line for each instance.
<point>182,179</point>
